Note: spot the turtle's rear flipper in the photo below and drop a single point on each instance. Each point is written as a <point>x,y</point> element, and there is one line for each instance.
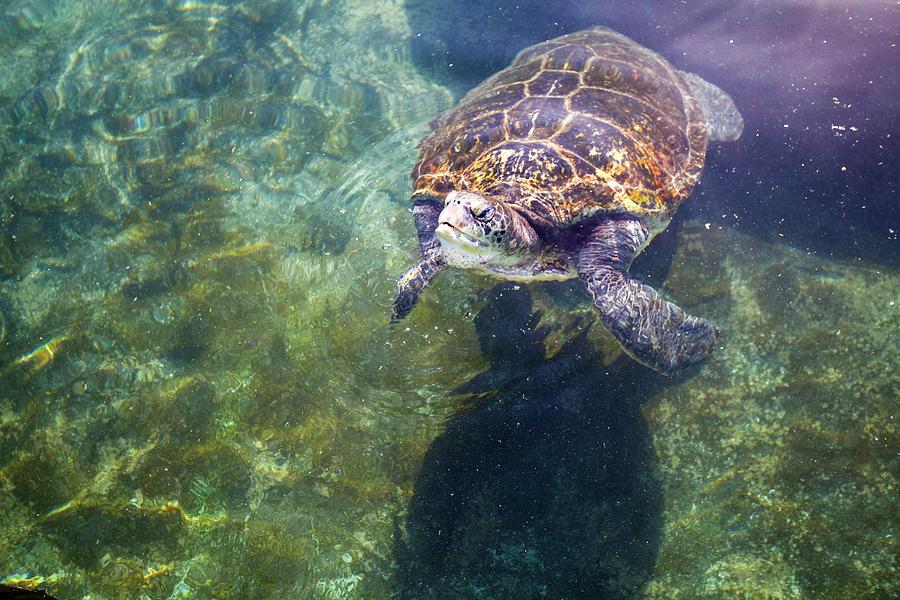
<point>653,331</point>
<point>725,122</point>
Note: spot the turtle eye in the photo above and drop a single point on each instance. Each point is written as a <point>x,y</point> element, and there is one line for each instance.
<point>484,214</point>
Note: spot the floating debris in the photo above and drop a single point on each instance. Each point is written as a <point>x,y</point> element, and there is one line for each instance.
<point>41,356</point>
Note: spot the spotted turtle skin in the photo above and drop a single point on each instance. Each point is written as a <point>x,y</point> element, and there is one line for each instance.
<point>587,123</point>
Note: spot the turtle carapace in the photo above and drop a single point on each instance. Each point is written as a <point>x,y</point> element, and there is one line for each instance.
<point>566,164</point>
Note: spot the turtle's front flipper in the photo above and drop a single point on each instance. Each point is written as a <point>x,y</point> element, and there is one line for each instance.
<point>411,284</point>
<point>653,331</point>
<point>413,281</point>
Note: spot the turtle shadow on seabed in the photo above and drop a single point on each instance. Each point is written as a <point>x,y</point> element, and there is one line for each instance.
<point>549,488</point>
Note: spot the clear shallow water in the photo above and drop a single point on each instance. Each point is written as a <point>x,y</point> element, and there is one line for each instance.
<point>203,213</point>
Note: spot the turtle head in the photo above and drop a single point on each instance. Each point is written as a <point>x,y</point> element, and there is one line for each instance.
<point>475,229</point>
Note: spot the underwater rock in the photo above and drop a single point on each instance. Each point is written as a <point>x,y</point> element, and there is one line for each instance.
<point>787,440</point>
<point>752,577</point>
<point>148,194</point>
<point>86,531</point>
<point>14,592</point>
<point>195,407</point>
<point>43,473</point>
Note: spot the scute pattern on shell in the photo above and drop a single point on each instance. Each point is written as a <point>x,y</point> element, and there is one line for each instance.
<point>584,123</point>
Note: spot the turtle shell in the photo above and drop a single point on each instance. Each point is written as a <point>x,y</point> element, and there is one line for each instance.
<point>589,122</point>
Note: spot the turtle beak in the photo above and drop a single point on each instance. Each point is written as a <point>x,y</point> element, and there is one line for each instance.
<point>451,234</point>
<point>454,225</point>
<point>456,215</point>
<point>458,223</point>
<point>460,212</point>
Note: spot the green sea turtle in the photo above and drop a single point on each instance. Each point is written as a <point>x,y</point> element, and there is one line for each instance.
<point>566,164</point>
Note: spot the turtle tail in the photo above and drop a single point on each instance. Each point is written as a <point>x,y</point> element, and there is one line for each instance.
<point>725,122</point>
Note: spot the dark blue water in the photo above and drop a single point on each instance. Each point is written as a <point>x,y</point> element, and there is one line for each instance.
<point>816,84</point>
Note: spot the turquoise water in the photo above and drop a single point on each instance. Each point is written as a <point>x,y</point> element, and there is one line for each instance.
<point>203,212</point>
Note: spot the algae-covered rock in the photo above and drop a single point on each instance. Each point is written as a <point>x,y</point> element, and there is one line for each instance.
<point>751,577</point>
<point>780,457</point>
<point>186,229</point>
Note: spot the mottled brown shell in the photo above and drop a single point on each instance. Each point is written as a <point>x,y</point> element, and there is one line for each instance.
<point>584,123</point>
